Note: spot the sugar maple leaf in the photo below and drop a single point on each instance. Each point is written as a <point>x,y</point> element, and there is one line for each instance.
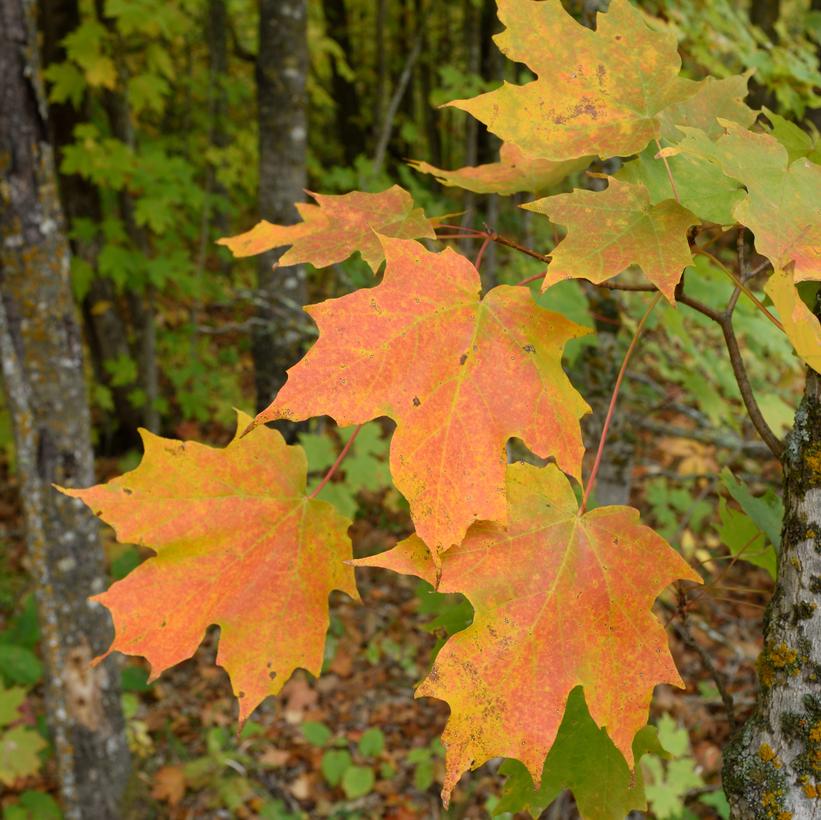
<point>336,227</point>
<point>584,760</point>
<point>800,324</point>
<point>782,206</point>
<point>459,376</point>
<point>561,600</point>
<point>515,171</point>
<point>238,544</point>
<point>593,94</point>
<point>708,195</point>
<point>610,230</point>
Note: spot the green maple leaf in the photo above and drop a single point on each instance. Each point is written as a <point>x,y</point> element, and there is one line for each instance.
<point>584,760</point>
<point>20,748</point>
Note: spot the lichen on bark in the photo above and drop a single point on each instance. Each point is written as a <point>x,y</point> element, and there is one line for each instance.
<point>772,767</point>
<point>42,372</point>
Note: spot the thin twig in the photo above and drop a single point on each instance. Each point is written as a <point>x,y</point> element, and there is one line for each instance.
<point>611,409</point>
<point>396,99</point>
<point>683,630</point>
<point>747,292</point>
<point>725,322</point>
<point>339,459</point>
<point>479,256</point>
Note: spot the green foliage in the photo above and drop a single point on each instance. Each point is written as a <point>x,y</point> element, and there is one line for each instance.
<point>364,468</point>
<point>424,762</point>
<point>32,805</point>
<point>670,778</point>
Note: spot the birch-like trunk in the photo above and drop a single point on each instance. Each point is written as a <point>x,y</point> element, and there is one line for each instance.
<point>43,376</point>
<point>772,767</point>
<point>282,67</point>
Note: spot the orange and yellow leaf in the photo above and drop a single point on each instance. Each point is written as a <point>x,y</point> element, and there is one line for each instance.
<point>459,375</point>
<point>607,231</point>
<point>597,93</point>
<point>336,227</point>
<point>561,599</point>
<point>239,544</point>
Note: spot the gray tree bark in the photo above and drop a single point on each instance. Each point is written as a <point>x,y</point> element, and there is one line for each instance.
<point>772,767</point>
<point>105,324</point>
<point>42,366</point>
<point>282,67</point>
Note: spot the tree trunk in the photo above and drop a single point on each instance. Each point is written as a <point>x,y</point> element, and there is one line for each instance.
<point>348,110</point>
<point>773,765</point>
<point>43,376</point>
<point>282,67</point>
<point>105,323</point>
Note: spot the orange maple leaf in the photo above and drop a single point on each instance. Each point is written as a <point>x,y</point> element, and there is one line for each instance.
<point>238,544</point>
<point>336,227</point>
<point>561,599</point>
<point>598,92</point>
<point>460,376</point>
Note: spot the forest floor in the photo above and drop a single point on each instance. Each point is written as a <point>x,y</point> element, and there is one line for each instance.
<point>292,757</point>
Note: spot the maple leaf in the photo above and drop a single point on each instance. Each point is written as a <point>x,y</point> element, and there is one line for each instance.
<point>781,207</point>
<point>592,95</point>
<point>561,600</point>
<point>515,171</point>
<point>20,749</point>
<point>459,376</point>
<point>584,760</point>
<point>800,324</point>
<point>238,544</point>
<point>610,230</point>
<point>336,227</point>
<point>698,188</point>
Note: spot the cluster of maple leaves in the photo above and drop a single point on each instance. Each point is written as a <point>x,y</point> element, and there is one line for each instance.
<point>562,596</point>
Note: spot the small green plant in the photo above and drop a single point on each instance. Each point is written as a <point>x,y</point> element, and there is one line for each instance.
<point>344,766</point>
<point>668,782</point>
<point>424,759</point>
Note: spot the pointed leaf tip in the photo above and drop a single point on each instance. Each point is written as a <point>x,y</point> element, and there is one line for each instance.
<point>551,591</point>
<point>443,356</point>
<point>237,544</point>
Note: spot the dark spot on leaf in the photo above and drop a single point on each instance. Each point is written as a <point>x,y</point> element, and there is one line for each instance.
<point>416,401</point>
<point>128,491</point>
<point>272,675</point>
<point>241,695</point>
<point>463,358</point>
<point>529,349</point>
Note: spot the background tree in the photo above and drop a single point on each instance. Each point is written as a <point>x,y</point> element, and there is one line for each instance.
<point>42,361</point>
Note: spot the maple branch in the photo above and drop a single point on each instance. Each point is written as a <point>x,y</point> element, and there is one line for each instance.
<point>725,322</point>
<point>479,256</point>
<point>683,630</point>
<point>512,243</point>
<point>335,466</point>
<point>611,409</point>
<point>739,284</point>
<point>747,396</point>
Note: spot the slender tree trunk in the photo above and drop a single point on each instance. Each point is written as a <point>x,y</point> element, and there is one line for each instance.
<point>772,767</point>
<point>282,67</point>
<point>42,366</point>
<point>349,127</point>
<point>764,14</point>
<point>473,33</point>
<point>217,37</point>
<point>380,93</point>
<point>104,320</point>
